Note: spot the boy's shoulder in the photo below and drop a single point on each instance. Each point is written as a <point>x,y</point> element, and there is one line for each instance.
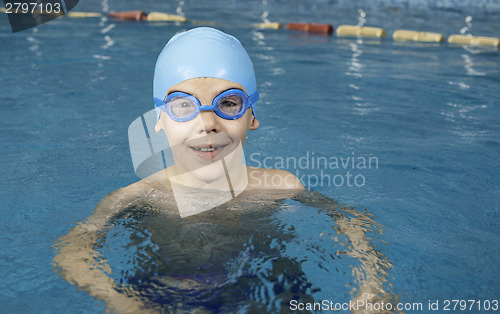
<point>265,178</point>
<point>153,188</point>
<point>258,178</point>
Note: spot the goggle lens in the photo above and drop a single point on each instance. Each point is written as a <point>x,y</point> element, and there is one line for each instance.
<point>231,105</point>
<point>182,107</point>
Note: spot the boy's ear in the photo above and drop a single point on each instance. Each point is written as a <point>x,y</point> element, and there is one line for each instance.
<point>158,127</point>
<point>254,125</point>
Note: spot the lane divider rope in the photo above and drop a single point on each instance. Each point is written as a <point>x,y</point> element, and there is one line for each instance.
<point>328,29</point>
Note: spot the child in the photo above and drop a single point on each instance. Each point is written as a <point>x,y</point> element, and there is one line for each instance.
<point>205,95</point>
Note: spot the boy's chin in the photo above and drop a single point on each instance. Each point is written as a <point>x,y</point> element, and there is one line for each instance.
<point>210,173</point>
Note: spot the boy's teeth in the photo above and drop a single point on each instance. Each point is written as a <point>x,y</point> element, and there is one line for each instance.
<point>206,149</point>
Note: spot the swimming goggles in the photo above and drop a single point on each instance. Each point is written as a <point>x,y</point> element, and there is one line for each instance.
<point>230,104</point>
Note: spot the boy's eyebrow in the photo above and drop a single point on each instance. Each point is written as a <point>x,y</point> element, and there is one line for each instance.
<point>222,90</point>
<point>178,91</point>
<point>175,91</point>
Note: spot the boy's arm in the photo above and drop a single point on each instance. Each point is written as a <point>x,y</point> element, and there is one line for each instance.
<point>372,273</point>
<point>80,264</point>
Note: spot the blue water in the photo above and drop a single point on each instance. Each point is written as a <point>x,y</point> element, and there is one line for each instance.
<point>429,114</point>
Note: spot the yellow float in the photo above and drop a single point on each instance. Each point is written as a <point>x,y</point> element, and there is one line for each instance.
<point>360,31</point>
<point>473,40</point>
<point>407,35</point>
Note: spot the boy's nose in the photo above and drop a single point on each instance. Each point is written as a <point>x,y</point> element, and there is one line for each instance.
<point>210,121</point>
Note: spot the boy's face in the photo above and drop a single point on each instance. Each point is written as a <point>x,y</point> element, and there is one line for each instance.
<point>197,144</point>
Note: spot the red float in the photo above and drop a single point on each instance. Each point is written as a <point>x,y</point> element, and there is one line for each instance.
<point>311,27</point>
<point>129,15</point>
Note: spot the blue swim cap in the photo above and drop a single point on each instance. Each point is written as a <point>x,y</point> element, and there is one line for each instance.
<point>203,52</point>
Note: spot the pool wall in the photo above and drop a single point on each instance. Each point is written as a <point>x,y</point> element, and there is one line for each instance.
<point>483,5</point>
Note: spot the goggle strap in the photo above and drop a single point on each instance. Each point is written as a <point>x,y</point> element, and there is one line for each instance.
<point>158,102</point>
<point>253,98</point>
<point>206,107</point>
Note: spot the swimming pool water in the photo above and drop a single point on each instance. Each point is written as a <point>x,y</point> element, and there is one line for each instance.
<point>428,113</point>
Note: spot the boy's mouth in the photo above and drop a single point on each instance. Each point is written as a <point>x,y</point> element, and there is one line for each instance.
<point>208,151</point>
